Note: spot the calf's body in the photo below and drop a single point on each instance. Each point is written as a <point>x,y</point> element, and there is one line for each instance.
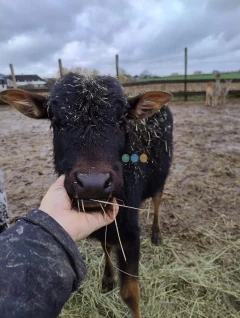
<point>141,181</point>
<point>108,146</point>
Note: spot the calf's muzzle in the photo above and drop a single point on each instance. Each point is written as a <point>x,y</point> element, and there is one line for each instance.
<point>93,186</point>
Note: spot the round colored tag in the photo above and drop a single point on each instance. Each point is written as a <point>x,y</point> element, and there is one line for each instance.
<point>134,158</point>
<point>125,158</point>
<point>143,158</point>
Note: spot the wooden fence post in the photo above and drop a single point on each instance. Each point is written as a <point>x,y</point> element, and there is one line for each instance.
<point>60,67</point>
<point>185,75</point>
<point>117,66</point>
<point>13,76</point>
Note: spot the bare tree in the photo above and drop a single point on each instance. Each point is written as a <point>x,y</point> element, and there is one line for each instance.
<point>78,70</point>
<point>145,73</point>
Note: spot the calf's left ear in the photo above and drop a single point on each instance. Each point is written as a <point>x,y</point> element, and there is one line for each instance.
<point>147,104</point>
<point>29,104</point>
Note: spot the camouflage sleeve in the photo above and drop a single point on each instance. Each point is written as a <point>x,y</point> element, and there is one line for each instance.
<point>40,266</point>
<point>4,221</point>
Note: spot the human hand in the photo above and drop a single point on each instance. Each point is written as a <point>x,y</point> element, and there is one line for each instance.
<point>57,204</point>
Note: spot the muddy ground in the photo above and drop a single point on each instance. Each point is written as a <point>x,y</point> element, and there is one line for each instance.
<point>203,189</point>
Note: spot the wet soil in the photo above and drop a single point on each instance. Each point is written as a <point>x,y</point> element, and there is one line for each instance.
<point>203,188</point>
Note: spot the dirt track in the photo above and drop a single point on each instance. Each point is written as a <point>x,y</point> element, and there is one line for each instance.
<point>203,189</point>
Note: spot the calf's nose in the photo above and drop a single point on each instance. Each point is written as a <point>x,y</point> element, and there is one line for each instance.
<point>93,185</point>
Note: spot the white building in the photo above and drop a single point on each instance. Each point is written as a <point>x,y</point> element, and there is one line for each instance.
<point>3,83</point>
<point>22,80</point>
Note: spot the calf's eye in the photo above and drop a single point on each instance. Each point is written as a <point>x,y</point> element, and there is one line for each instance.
<point>121,121</point>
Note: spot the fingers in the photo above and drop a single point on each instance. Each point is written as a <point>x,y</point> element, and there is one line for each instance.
<point>96,221</point>
<point>112,213</point>
<point>101,219</point>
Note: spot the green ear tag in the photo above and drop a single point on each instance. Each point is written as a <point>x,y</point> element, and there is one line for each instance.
<point>125,158</point>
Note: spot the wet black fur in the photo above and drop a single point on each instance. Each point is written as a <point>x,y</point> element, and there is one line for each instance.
<point>98,105</point>
<point>101,131</point>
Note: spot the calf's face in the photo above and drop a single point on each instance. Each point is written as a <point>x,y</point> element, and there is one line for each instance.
<point>89,117</point>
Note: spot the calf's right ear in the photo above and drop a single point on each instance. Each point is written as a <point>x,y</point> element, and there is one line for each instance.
<point>29,104</point>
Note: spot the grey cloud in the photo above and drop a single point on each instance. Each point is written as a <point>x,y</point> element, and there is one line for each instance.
<point>189,30</point>
<point>35,33</point>
<point>223,5</point>
<point>57,18</point>
<point>51,24</point>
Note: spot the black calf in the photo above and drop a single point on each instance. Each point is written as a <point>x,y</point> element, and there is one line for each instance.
<point>108,146</point>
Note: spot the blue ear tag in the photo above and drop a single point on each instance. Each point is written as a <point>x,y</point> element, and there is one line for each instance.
<point>134,158</point>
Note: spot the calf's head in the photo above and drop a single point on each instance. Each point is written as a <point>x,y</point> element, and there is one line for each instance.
<point>89,117</point>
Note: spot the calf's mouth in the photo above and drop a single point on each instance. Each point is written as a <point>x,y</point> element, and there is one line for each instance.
<point>94,205</point>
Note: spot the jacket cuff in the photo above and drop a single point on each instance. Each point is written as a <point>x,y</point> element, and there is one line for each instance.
<point>47,223</point>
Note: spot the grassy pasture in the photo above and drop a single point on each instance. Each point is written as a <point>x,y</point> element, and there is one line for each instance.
<point>224,76</point>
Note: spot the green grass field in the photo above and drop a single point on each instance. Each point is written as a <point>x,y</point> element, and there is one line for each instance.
<point>233,75</point>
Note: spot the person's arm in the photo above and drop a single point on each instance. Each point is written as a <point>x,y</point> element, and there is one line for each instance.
<point>39,267</point>
<point>40,264</point>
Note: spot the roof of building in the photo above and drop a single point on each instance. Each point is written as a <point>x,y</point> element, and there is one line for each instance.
<point>3,79</point>
<point>26,78</point>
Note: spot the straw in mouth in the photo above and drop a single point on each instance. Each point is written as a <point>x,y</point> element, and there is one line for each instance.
<point>93,205</point>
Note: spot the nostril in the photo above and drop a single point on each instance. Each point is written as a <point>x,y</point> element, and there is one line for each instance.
<point>93,182</point>
<point>79,180</point>
<point>107,183</point>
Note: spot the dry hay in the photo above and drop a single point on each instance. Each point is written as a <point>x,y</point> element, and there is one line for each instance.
<point>176,281</point>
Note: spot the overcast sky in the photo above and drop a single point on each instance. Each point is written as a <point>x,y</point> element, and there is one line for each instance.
<point>147,35</point>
